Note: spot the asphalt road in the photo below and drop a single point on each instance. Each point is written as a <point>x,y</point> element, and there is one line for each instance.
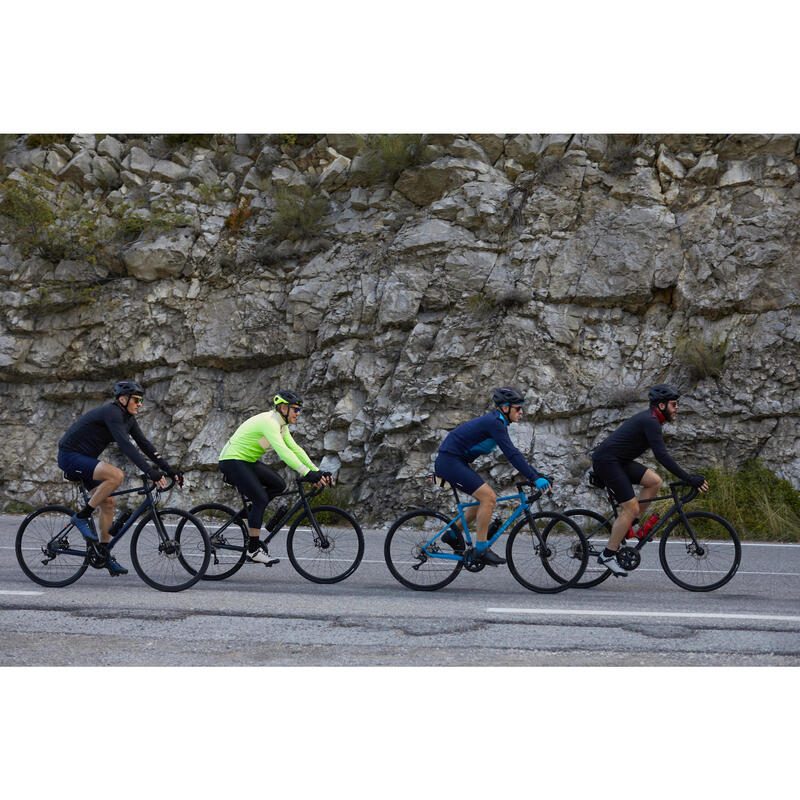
<point>272,616</point>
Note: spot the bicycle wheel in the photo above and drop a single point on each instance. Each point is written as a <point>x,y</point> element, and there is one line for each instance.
<point>549,556</point>
<point>704,566</point>
<point>403,551</point>
<point>334,556</point>
<point>49,548</point>
<point>174,559</point>
<point>596,529</point>
<point>228,539</point>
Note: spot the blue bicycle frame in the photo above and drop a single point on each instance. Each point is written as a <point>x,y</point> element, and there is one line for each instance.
<point>523,506</point>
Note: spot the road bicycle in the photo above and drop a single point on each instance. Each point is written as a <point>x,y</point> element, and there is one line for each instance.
<point>699,551</point>
<point>546,551</point>
<point>324,543</point>
<point>170,550</point>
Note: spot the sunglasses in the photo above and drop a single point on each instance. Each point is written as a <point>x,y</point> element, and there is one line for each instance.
<point>296,409</point>
<point>137,400</point>
<point>517,408</point>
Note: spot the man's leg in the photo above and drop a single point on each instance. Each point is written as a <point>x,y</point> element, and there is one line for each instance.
<point>651,485</point>
<point>488,500</point>
<point>628,512</point>
<point>111,478</point>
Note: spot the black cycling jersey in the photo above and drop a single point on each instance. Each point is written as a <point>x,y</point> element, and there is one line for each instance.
<point>91,433</point>
<point>633,437</point>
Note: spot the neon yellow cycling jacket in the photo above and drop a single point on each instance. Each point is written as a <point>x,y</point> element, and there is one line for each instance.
<point>244,445</point>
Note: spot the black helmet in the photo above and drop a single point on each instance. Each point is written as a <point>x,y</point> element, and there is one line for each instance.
<point>662,393</point>
<point>288,397</point>
<point>128,388</point>
<point>507,395</point>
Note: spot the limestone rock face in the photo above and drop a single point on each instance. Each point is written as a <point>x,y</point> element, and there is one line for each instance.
<point>581,268</point>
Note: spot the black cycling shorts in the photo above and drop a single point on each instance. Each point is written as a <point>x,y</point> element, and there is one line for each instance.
<point>257,481</point>
<point>619,476</point>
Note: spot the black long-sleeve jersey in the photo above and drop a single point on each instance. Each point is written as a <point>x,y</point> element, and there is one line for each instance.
<point>633,437</point>
<point>91,433</point>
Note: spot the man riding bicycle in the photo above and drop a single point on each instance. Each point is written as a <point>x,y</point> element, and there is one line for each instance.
<point>476,438</point>
<point>85,440</point>
<point>613,464</point>
<point>239,463</point>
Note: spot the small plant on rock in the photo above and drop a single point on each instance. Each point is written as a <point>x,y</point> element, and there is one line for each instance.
<point>237,218</point>
<point>299,214</point>
<point>387,155</point>
<point>703,358</point>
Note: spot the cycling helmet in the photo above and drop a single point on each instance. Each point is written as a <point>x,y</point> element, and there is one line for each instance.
<point>662,393</point>
<point>506,395</point>
<point>290,398</point>
<point>128,388</point>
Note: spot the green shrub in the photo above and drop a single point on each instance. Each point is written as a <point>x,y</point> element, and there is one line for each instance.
<point>387,155</point>
<point>17,507</point>
<point>44,139</point>
<point>41,222</point>
<point>130,225</point>
<point>754,500</point>
<point>204,140</point>
<point>210,192</point>
<point>703,358</point>
<point>6,143</point>
<point>27,213</point>
<point>299,214</point>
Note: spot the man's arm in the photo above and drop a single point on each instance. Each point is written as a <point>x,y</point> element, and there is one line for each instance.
<point>272,435</point>
<point>656,441</point>
<point>518,461</point>
<point>119,431</point>
<point>297,450</point>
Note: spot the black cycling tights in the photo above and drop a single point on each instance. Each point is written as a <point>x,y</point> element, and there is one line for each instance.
<point>257,481</point>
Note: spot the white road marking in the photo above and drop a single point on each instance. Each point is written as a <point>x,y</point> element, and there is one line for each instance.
<point>577,612</point>
<point>10,591</point>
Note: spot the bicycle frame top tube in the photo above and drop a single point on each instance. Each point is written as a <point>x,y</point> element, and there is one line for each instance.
<point>460,518</point>
<point>676,508</point>
<point>148,502</point>
<point>301,502</point>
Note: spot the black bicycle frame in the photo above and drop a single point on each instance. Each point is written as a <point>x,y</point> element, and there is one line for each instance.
<point>677,507</point>
<point>147,503</point>
<point>302,502</point>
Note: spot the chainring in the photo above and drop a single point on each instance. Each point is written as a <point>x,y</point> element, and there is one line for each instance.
<point>470,565</point>
<point>629,558</point>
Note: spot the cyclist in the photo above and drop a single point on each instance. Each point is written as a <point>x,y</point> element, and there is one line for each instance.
<point>239,463</point>
<point>476,438</point>
<point>87,437</point>
<point>613,463</point>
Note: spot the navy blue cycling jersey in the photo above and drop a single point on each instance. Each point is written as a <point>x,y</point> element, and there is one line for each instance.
<point>633,437</point>
<point>480,436</point>
<point>91,433</point>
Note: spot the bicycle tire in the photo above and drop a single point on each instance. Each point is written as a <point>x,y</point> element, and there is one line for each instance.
<point>67,562</point>
<point>562,552</point>
<point>402,551</point>
<point>227,557</point>
<point>716,555</point>
<point>176,564</point>
<point>333,560</point>
<point>598,527</point>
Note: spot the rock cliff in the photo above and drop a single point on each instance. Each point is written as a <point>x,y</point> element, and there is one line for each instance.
<point>394,281</point>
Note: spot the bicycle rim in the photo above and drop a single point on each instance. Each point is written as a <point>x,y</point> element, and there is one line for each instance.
<point>704,566</point>
<point>176,562</point>
<point>549,556</point>
<point>403,551</point>
<point>49,549</point>
<point>332,556</point>
<point>596,529</point>
<point>228,540</point>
